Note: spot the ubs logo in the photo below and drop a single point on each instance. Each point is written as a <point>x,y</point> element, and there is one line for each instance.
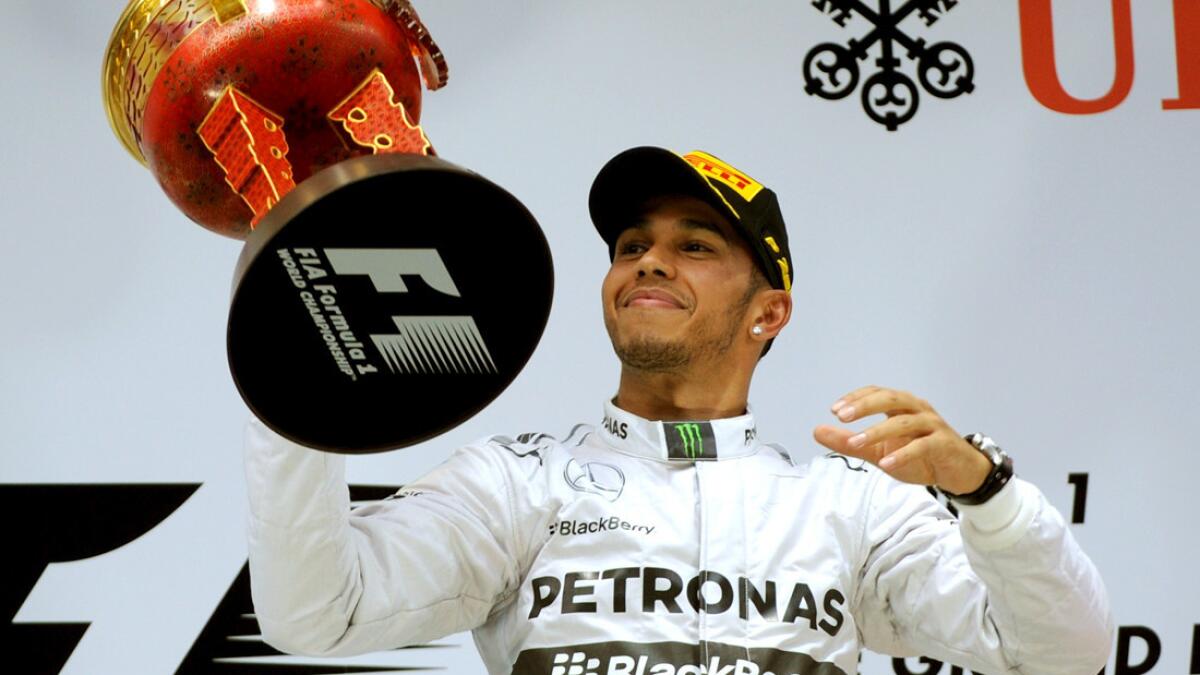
<point>945,70</point>
<point>889,96</point>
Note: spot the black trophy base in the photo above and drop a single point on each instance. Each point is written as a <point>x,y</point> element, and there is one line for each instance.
<point>385,300</point>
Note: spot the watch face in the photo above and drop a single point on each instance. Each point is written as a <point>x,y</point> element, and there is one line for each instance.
<point>996,455</point>
<point>988,447</point>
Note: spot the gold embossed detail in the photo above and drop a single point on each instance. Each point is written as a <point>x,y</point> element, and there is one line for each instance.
<point>236,131</point>
<point>144,38</point>
<point>373,118</point>
<point>228,10</point>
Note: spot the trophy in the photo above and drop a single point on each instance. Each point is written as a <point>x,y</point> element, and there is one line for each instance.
<point>383,294</point>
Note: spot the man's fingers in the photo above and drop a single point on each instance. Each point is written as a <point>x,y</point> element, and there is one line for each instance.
<point>892,429</point>
<point>853,396</point>
<point>830,437</point>
<point>908,463</point>
<point>874,400</point>
<point>852,399</point>
<point>835,439</point>
<point>906,453</point>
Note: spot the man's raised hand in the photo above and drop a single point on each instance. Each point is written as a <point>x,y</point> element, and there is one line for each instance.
<point>914,444</point>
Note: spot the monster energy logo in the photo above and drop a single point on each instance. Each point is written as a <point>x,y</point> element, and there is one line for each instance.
<point>693,442</point>
<point>688,441</point>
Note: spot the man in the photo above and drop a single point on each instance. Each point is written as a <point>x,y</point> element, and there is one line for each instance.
<point>669,539</point>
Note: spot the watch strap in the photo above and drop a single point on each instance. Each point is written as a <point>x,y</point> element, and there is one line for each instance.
<point>1002,472</point>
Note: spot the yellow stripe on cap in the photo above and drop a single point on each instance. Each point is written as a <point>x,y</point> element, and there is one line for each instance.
<point>787,278</point>
<point>783,264</point>
<point>711,167</point>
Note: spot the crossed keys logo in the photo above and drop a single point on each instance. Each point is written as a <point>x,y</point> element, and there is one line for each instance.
<point>889,96</point>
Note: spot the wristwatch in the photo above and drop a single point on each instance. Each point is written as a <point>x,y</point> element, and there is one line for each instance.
<point>1002,472</point>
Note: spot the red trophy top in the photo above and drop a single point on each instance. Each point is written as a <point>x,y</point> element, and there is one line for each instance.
<point>231,103</point>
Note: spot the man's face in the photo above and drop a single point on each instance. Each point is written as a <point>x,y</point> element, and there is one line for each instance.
<point>679,288</point>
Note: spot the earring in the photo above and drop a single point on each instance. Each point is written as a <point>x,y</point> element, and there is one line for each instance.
<point>757,330</point>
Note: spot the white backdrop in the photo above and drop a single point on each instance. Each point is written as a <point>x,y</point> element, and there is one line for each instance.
<point>1030,273</point>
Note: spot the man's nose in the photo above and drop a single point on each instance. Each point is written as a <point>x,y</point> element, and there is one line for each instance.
<point>656,261</point>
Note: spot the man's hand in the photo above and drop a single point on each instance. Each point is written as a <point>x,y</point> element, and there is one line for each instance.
<point>914,444</point>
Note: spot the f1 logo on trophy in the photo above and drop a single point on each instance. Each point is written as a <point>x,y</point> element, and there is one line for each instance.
<point>383,294</point>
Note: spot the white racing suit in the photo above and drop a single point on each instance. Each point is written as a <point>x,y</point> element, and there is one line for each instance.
<point>658,548</point>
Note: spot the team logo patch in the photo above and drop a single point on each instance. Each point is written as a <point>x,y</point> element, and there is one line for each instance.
<point>889,96</point>
<point>595,478</point>
<point>690,440</point>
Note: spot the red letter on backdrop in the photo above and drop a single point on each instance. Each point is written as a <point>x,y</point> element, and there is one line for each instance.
<point>1041,72</point>
<point>1187,56</point>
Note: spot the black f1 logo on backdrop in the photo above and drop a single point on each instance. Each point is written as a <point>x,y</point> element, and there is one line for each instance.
<point>889,96</point>
<point>71,523</point>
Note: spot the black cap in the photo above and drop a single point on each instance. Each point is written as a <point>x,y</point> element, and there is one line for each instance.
<point>636,175</point>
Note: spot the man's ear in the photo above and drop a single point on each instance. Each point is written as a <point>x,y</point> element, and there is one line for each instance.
<point>774,312</point>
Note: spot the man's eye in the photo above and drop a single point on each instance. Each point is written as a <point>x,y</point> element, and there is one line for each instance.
<point>697,246</point>
<point>631,248</point>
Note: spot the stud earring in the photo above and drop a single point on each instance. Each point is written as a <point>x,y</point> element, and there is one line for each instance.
<point>757,330</point>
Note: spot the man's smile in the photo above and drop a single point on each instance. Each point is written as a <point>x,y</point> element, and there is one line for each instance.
<point>652,298</point>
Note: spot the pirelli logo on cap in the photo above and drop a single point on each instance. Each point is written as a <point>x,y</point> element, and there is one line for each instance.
<point>711,167</point>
